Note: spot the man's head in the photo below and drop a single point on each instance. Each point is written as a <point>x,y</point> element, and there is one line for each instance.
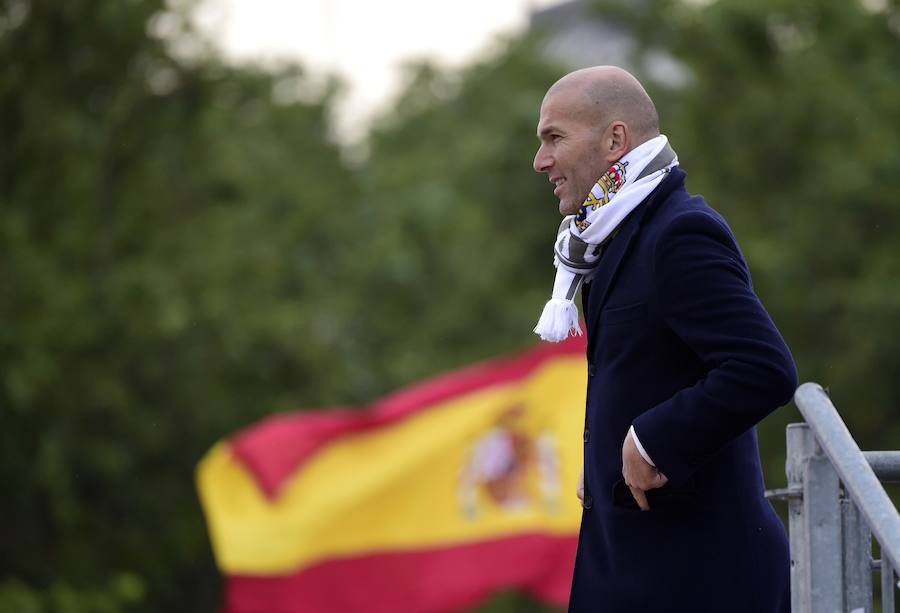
<point>589,119</point>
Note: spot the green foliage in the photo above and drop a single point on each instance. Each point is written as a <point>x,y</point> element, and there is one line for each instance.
<point>459,251</point>
<point>184,250</point>
<point>512,602</point>
<point>163,228</point>
<point>117,594</point>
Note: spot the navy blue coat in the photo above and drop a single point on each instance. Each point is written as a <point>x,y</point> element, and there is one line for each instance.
<point>680,346</point>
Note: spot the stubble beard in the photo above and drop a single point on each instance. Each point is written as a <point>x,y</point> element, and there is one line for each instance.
<point>568,207</point>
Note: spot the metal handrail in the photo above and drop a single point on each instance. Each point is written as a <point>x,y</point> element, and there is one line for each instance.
<point>853,467</point>
<point>886,465</point>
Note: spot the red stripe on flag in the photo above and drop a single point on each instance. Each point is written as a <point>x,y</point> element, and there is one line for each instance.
<point>433,581</point>
<point>274,448</point>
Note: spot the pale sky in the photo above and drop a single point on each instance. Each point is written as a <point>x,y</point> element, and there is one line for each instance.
<point>364,41</point>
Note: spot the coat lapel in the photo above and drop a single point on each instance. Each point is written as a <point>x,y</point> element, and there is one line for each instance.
<point>619,246</point>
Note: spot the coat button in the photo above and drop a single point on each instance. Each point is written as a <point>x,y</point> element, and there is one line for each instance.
<point>587,435</point>
<point>592,370</point>
<point>588,501</point>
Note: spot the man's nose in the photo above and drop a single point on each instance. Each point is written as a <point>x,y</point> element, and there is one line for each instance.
<point>541,160</point>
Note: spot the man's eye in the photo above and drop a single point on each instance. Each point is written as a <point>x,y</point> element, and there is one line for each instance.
<point>555,137</point>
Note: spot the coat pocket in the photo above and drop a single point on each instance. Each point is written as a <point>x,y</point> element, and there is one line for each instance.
<point>660,498</point>
<point>628,313</point>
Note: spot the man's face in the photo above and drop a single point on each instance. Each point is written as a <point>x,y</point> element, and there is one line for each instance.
<point>571,151</point>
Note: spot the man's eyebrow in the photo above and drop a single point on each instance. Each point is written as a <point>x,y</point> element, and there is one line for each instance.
<point>547,130</point>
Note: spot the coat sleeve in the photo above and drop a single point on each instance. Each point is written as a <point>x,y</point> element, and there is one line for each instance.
<point>704,292</point>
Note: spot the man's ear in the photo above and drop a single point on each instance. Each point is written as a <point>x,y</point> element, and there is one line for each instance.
<point>617,140</point>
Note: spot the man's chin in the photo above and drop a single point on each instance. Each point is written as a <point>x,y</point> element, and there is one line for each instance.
<point>566,208</point>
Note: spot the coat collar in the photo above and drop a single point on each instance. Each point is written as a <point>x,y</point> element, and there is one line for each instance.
<point>619,246</point>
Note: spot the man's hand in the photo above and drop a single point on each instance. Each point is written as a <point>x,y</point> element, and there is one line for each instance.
<point>580,490</point>
<point>638,474</point>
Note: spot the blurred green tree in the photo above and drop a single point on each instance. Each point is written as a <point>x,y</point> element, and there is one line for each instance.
<point>165,222</point>
<point>459,247</point>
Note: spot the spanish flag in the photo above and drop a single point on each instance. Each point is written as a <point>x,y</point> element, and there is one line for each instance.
<point>429,500</point>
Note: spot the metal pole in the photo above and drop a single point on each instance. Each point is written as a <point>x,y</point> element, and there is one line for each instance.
<point>799,438</point>
<point>859,480</point>
<point>887,585</point>
<point>857,559</point>
<point>822,510</point>
<point>885,465</point>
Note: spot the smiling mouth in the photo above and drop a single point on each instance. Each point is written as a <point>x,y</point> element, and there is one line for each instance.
<point>559,183</point>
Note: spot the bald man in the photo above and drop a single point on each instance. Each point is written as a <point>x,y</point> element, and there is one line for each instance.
<point>683,361</point>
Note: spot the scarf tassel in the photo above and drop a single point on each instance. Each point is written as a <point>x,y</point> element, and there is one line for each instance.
<point>560,317</point>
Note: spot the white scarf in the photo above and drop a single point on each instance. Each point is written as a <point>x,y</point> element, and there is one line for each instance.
<point>582,237</point>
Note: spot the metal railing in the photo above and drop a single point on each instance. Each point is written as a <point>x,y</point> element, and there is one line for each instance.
<point>831,528</point>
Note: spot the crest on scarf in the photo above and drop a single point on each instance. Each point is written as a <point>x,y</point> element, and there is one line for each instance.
<point>606,187</point>
<point>510,469</point>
